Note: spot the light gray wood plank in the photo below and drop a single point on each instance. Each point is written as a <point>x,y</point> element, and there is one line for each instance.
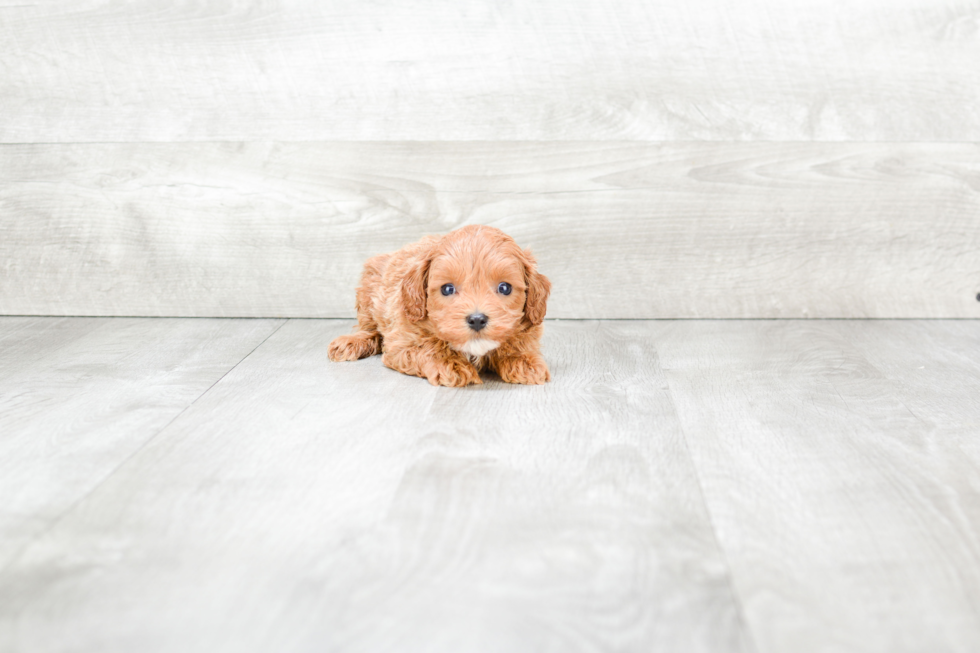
<point>89,70</point>
<point>303,505</point>
<point>24,341</point>
<point>847,510</point>
<point>623,230</point>
<point>935,378</point>
<point>79,396</point>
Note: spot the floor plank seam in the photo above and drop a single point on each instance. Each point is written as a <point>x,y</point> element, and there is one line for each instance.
<point>67,511</point>
<point>729,576</point>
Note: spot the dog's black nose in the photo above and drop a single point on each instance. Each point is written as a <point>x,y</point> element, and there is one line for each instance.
<point>477,321</point>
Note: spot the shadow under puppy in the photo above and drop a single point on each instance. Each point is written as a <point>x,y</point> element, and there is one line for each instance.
<point>447,307</point>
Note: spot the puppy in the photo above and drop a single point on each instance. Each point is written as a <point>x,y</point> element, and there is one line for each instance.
<point>447,307</point>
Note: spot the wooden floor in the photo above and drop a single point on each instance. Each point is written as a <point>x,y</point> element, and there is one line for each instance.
<point>217,485</point>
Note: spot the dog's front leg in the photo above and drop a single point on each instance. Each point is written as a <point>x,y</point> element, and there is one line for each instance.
<point>519,359</point>
<point>433,361</point>
<point>527,368</point>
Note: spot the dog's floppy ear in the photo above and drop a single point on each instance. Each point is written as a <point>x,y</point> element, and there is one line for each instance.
<point>538,289</point>
<point>415,288</point>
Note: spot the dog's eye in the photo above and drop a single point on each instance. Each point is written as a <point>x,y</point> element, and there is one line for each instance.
<point>448,289</point>
<point>504,288</point>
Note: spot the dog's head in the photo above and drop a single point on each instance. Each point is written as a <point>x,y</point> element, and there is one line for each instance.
<point>476,288</point>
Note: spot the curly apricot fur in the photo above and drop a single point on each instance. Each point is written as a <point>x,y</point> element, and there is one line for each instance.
<point>402,312</point>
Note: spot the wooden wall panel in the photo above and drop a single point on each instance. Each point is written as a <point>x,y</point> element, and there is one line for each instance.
<point>624,230</point>
<point>241,70</point>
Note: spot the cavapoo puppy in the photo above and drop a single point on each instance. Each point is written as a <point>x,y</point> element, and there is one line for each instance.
<point>446,307</point>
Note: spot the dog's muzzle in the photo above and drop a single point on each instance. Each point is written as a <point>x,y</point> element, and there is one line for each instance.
<point>477,321</point>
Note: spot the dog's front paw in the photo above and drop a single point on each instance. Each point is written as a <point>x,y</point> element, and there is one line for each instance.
<point>527,370</point>
<point>351,348</point>
<point>452,373</point>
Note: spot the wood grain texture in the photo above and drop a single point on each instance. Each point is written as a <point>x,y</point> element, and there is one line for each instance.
<point>839,464</point>
<point>882,70</point>
<point>623,230</point>
<point>303,505</point>
<point>934,355</point>
<point>79,396</point>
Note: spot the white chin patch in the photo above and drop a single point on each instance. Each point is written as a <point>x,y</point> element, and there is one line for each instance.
<point>478,347</point>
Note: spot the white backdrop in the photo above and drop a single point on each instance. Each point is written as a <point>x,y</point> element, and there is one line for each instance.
<point>695,158</point>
